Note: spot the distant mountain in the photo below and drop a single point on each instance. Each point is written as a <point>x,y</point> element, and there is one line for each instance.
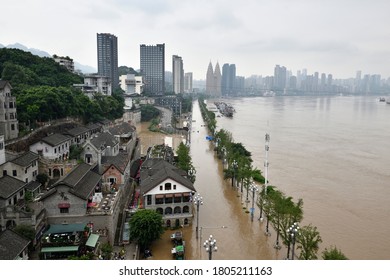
<point>78,66</point>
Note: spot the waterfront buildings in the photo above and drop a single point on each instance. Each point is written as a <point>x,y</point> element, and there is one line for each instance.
<point>107,54</point>
<point>152,60</point>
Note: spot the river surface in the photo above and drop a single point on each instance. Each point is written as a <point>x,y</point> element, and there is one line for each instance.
<point>333,152</point>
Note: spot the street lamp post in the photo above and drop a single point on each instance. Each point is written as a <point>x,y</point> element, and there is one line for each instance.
<point>210,245</point>
<point>198,200</point>
<point>253,189</point>
<point>234,165</point>
<point>292,232</point>
<point>267,232</point>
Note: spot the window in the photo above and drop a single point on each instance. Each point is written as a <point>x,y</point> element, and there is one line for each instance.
<point>1,145</point>
<point>168,186</point>
<point>64,210</point>
<point>4,172</point>
<point>12,127</point>
<point>14,173</point>
<point>21,193</point>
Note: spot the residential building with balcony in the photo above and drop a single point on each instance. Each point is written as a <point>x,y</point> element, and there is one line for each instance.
<point>167,190</point>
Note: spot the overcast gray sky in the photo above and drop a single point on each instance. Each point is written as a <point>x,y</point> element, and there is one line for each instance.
<point>328,36</point>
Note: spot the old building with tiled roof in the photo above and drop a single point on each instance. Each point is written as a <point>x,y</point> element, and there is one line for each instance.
<point>167,190</point>
<point>13,246</point>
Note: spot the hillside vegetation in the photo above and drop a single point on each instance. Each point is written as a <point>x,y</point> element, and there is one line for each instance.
<point>44,90</point>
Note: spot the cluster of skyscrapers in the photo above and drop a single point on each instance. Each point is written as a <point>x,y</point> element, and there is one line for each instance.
<point>152,66</point>
<point>226,83</point>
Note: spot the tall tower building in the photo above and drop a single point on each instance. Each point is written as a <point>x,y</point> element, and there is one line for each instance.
<point>177,74</point>
<point>217,80</point>
<point>228,83</point>
<point>210,79</point>
<point>152,67</point>
<point>188,78</point>
<point>280,77</point>
<point>107,53</point>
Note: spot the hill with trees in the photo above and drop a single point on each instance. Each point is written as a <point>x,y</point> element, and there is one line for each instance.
<point>44,90</point>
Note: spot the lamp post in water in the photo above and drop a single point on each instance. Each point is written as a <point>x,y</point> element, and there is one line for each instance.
<point>198,200</point>
<point>234,165</point>
<point>253,189</point>
<point>210,245</point>
<point>292,232</point>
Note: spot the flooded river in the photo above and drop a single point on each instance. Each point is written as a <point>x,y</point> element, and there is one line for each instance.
<point>333,152</point>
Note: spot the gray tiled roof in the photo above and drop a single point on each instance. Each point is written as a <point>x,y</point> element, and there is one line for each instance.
<point>11,245</point>
<point>81,180</point>
<point>25,159</point>
<point>155,171</point>
<point>33,185</point>
<point>9,185</point>
<point>93,126</point>
<point>123,128</point>
<point>120,161</point>
<point>104,139</point>
<point>77,131</point>
<point>55,139</point>
<point>76,174</point>
<point>3,84</point>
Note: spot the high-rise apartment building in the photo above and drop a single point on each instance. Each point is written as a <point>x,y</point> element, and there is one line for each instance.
<point>280,77</point>
<point>107,52</point>
<point>228,86</point>
<point>188,78</point>
<point>177,74</point>
<point>152,58</point>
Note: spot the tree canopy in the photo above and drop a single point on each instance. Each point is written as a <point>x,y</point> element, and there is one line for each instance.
<point>146,226</point>
<point>44,90</point>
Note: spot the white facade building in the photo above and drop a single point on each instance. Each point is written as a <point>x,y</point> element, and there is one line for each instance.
<point>131,83</point>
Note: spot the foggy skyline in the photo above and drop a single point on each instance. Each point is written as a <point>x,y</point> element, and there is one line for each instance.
<point>337,37</point>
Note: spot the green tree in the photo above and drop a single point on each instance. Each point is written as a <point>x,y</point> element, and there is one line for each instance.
<point>149,112</point>
<point>333,253</point>
<point>42,178</point>
<point>308,239</point>
<point>184,161</point>
<point>146,226</point>
<point>106,249</point>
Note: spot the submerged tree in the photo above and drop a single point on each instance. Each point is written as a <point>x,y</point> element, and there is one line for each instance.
<point>308,239</point>
<point>146,226</point>
<point>333,253</point>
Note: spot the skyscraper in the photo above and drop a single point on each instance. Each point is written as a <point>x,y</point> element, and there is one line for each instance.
<point>107,53</point>
<point>152,67</point>
<point>228,79</point>
<point>188,82</point>
<point>177,74</point>
<point>213,80</point>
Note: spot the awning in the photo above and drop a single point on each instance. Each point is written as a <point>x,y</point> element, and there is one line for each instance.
<point>159,196</point>
<point>169,195</point>
<point>60,249</point>
<point>64,205</point>
<point>178,195</point>
<point>92,240</point>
